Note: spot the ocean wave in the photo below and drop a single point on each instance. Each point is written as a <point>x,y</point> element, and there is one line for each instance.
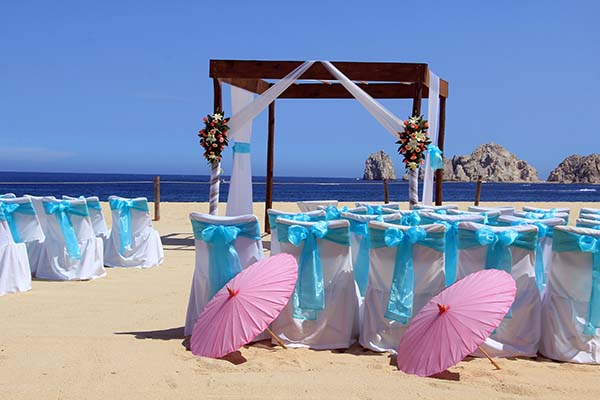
<point>587,190</point>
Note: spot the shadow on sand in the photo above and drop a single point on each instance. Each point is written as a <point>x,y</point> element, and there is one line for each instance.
<point>178,241</point>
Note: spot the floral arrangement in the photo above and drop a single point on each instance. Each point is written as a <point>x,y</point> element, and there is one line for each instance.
<point>213,138</point>
<point>414,142</point>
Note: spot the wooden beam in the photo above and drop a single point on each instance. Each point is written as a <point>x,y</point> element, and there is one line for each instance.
<point>270,156</point>
<point>218,95</point>
<point>439,174</point>
<point>257,86</point>
<point>418,95</point>
<point>357,71</point>
<point>337,91</point>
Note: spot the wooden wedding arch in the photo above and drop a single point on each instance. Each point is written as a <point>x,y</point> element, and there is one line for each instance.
<point>381,80</point>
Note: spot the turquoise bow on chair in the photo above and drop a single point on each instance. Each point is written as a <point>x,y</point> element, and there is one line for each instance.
<point>8,209</point>
<point>124,206</point>
<point>62,210</point>
<point>309,293</point>
<point>362,264</point>
<point>435,157</point>
<point>400,304</point>
<point>332,212</point>
<point>223,259</point>
<point>567,241</point>
<point>412,218</point>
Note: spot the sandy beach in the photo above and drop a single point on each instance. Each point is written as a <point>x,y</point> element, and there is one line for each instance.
<point>120,337</point>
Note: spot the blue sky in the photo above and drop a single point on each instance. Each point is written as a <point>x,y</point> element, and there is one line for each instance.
<point>122,86</point>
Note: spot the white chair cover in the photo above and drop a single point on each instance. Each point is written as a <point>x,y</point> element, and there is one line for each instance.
<point>29,231</point>
<point>39,210</point>
<point>504,210</point>
<point>146,248</point>
<point>377,332</point>
<point>335,325</point>
<point>588,210</point>
<point>518,335</point>
<point>313,205</point>
<point>593,217</point>
<point>61,264</point>
<point>316,215</point>
<point>547,210</point>
<point>491,215</point>
<point>249,251</point>
<point>565,307</point>
<point>8,196</point>
<point>541,216</point>
<point>443,207</point>
<point>15,273</point>
<point>588,223</point>
<point>393,206</point>
<point>96,215</point>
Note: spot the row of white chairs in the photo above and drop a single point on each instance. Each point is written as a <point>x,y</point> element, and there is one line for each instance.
<point>553,326</point>
<point>68,239</point>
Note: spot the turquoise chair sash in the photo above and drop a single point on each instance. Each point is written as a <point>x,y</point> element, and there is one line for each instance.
<point>223,259</point>
<point>94,204</point>
<point>451,251</point>
<point>241,147</point>
<point>62,210</point>
<point>294,217</point>
<point>309,294</point>
<point>377,210</point>
<point>362,264</point>
<point>6,213</point>
<point>412,218</point>
<point>124,206</point>
<point>568,241</point>
<point>400,304</point>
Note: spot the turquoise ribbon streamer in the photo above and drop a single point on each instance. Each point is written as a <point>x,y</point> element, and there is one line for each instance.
<point>567,241</point>
<point>8,209</point>
<point>124,206</point>
<point>451,247</point>
<point>309,294</point>
<point>62,210</point>
<point>400,304</point>
<point>294,217</point>
<point>435,157</point>
<point>223,259</point>
<point>362,264</point>
<point>94,204</point>
<point>241,147</point>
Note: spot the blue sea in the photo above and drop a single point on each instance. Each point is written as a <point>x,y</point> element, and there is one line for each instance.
<point>185,188</point>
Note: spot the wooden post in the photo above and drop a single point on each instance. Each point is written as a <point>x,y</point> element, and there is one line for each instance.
<point>157,198</point>
<point>269,177</point>
<point>478,190</point>
<point>439,174</point>
<point>386,192</point>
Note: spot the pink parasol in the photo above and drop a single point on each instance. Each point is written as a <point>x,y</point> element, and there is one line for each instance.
<point>245,307</point>
<point>454,323</point>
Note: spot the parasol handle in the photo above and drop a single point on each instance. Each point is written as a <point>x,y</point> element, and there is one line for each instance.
<point>485,353</point>
<point>279,342</point>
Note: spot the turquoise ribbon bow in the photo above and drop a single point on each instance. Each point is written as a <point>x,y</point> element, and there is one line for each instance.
<point>309,294</point>
<point>411,219</point>
<point>435,157</point>
<point>8,209</point>
<point>332,212</point>
<point>567,241</point>
<point>241,147</point>
<point>62,210</point>
<point>400,304</point>
<point>362,264</point>
<point>124,206</point>
<point>223,259</point>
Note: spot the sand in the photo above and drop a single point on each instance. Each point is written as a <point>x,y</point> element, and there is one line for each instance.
<point>120,337</point>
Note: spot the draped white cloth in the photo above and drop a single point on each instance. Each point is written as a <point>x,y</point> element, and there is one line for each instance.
<point>433,108</point>
<point>15,274</point>
<point>239,199</point>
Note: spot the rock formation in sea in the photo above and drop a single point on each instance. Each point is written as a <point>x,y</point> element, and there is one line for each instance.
<point>493,162</point>
<point>379,166</point>
<point>577,169</point>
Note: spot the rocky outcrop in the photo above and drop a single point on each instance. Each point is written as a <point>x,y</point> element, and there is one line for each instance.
<point>493,162</point>
<point>577,169</point>
<point>379,166</point>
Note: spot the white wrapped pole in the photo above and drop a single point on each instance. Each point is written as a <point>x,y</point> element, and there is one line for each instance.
<point>215,183</point>
<point>413,187</point>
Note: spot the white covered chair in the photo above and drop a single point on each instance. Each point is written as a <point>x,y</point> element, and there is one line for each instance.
<point>313,205</point>
<point>323,311</point>
<point>548,211</point>
<point>25,227</point>
<point>571,307</point>
<point>490,217</point>
<point>8,196</point>
<point>451,223</point>
<point>404,260</point>
<point>317,215</point>
<point>133,242</point>
<point>216,238</point>
<point>594,217</point>
<point>436,209</point>
<point>38,205</point>
<point>72,250</point>
<point>588,223</point>
<point>15,273</point>
<point>96,215</point>
<point>543,256</point>
<point>511,249</point>
<point>542,215</point>
<point>504,210</point>
<point>587,210</point>
<point>393,206</point>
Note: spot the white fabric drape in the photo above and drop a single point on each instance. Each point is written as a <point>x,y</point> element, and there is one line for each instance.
<point>433,105</point>
<point>389,121</point>
<point>239,199</point>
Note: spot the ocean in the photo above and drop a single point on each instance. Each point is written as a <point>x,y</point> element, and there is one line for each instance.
<point>184,188</point>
